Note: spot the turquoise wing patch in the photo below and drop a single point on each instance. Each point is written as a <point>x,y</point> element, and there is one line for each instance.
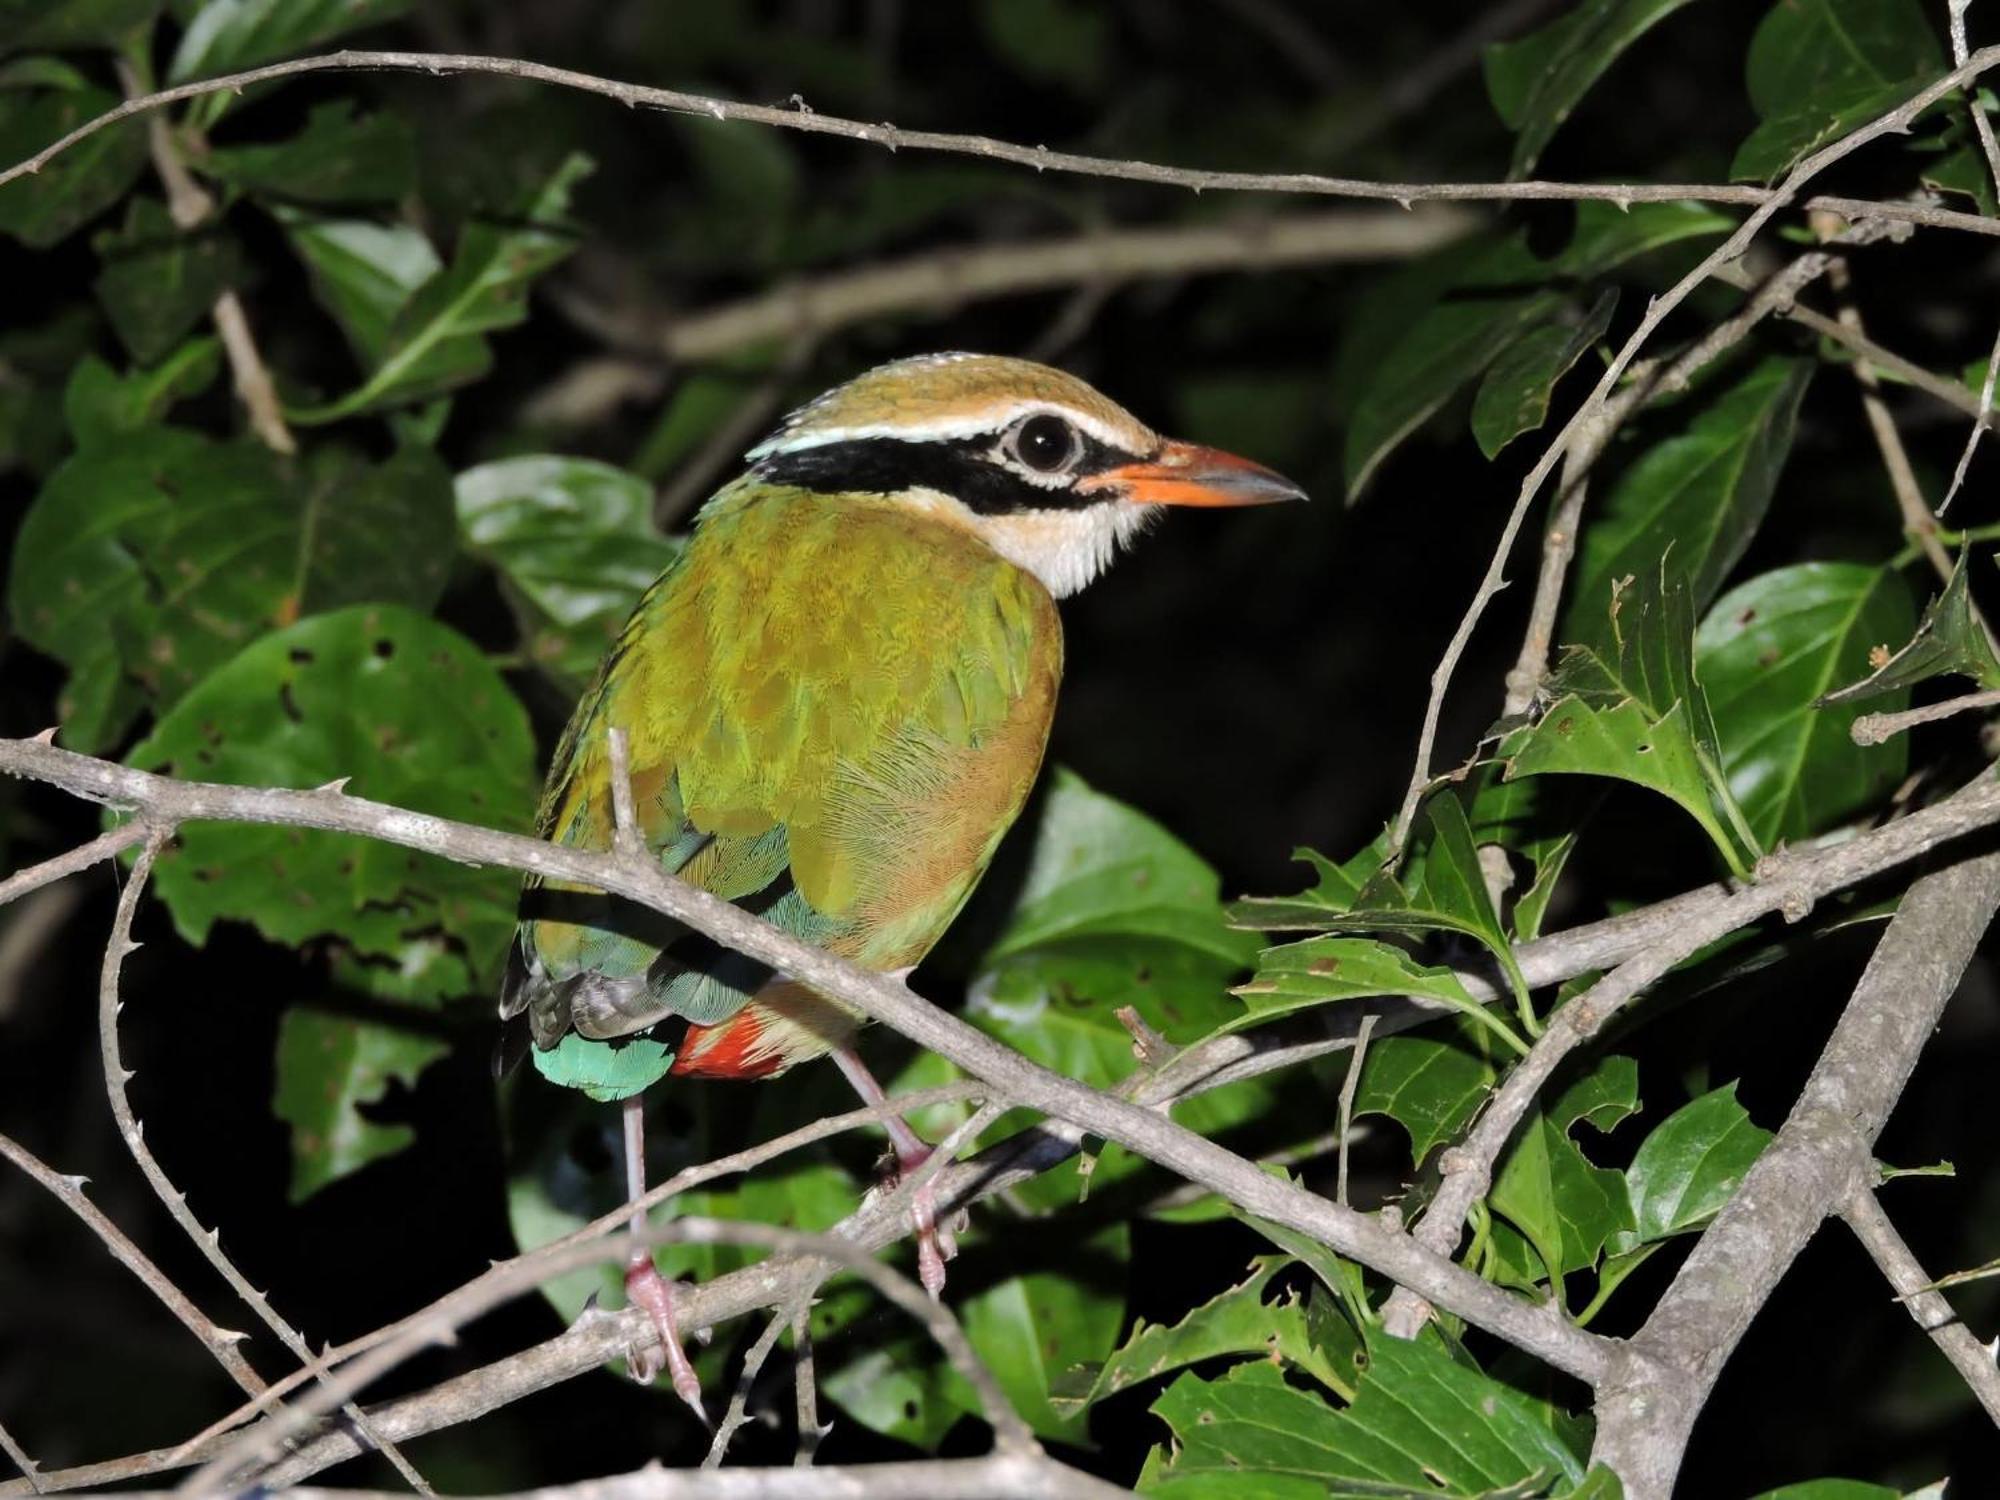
<point>605,1071</point>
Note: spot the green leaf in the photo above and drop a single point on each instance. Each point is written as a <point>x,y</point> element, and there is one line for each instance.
<point>1245,1320</point>
<point>60,24</point>
<point>1602,1097</point>
<point>1440,323</point>
<point>1566,1206</point>
<point>1031,1328</point>
<point>334,159</point>
<point>1513,398</point>
<point>1335,892</point>
<point>1688,1168</point>
<point>364,273</point>
<point>1768,653</point>
<point>100,405</point>
<point>1636,712</point>
<point>1948,639</point>
<point>44,207</point>
<point>1050,41</point>
<point>1537,80</point>
<point>434,342</point>
<point>1818,69</point>
<point>411,714</point>
<point>148,561</point>
<point>158,282</point>
<point>1701,496</point>
<point>1831,1489</point>
<point>328,1066</point>
<point>1114,911</point>
<point>228,36</point>
<point>574,541</point>
<point>1315,971</point>
<point>1420,1420</point>
<point>1430,1085</point>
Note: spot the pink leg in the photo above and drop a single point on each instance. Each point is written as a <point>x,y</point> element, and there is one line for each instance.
<point>645,1286</point>
<point>935,1245</point>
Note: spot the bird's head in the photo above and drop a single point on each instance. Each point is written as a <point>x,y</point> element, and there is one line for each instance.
<point>1049,473</point>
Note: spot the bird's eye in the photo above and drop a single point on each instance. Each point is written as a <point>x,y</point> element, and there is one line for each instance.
<point>1046,443</point>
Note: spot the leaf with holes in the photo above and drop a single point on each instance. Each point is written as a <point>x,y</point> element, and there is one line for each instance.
<point>1513,398</point>
<point>411,714</point>
<point>575,545</point>
<point>1948,640</point>
<point>1431,1085</point>
<point>1768,652</point>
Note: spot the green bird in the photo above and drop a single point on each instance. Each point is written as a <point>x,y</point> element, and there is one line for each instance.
<point>836,700</point>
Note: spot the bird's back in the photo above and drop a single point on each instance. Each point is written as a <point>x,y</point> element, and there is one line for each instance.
<point>835,707</point>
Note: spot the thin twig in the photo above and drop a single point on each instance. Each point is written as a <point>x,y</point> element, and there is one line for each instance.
<point>746,1379</point>
<point>220,1342</point>
<point>188,205</point>
<point>1895,120</point>
<point>1873,729</point>
<point>1932,1312</point>
<point>116,1076</point>
<point>1347,1087</point>
<point>1037,158</point>
<point>30,1471</point>
<point>1987,143</point>
<point>694,479</point>
<point>104,846</point>
<point>805,1388</point>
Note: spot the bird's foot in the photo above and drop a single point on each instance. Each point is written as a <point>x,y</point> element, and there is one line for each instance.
<point>936,1243</point>
<point>646,1288</point>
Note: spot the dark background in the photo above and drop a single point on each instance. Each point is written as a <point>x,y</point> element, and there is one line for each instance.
<point>1255,682</point>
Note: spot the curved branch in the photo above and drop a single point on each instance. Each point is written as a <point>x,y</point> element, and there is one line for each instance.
<point>1037,158</point>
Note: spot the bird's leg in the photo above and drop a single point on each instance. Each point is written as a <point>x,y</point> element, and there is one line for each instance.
<point>644,1285</point>
<point>935,1244</point>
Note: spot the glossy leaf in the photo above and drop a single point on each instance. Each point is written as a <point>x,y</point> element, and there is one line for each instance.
<point>1566,1206</point>
<point>1688,1168</point>
<point>1696,499</point>
<point>411,714</point>
<point>1636,712</point>
<point>1316,971</point>
<point>1537,80</point>
<point>363,273</point>
<point>1818,69</point>
<point>227,36</point>
<point>1332,894</point>
<point>1420,1420</point>
<point>328,1067</point>
<point>435,339</point>
<point>42,208</point>
<point>1768,653</point>
<point>336,158</point>
<point>1831,1489</point>
<point>1439,324</point>
<point>1247,1320</point>
<point>1513,398</point>
<point>1430,1084</point>
<point>158,282</point>
<point>575,543</point>
<point>1948,639</point>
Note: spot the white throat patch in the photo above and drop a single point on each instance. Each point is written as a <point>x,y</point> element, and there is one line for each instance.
<point>1065,549</point>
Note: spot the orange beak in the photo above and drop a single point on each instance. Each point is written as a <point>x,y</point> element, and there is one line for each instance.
<point>1189,474</point>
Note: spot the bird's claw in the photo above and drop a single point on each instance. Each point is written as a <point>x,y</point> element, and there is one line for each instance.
<point>646,1288</point>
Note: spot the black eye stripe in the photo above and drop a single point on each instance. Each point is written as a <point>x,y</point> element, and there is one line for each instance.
<point>964,468</point>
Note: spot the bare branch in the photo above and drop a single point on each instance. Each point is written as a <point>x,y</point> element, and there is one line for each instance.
<point>104,846</point>
<point>1896,120</point>
<point>1873,729</point>
<point>1037,158</point>
<point>805,1384</point>
<point>1972,1359</point>
<point>1818,1161</point>
<point>220,1342</point>
<point>1987,143</point>
<point>746,1380</point>
<point>30,1470</point>
<point>116,1076</point>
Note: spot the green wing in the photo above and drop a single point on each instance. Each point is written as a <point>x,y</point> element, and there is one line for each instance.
<point>834,708</point>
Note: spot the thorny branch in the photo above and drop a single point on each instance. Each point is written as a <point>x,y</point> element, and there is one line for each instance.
<point>1038,158</point>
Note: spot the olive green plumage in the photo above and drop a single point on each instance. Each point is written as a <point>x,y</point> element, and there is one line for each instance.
<point>834,706</point>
